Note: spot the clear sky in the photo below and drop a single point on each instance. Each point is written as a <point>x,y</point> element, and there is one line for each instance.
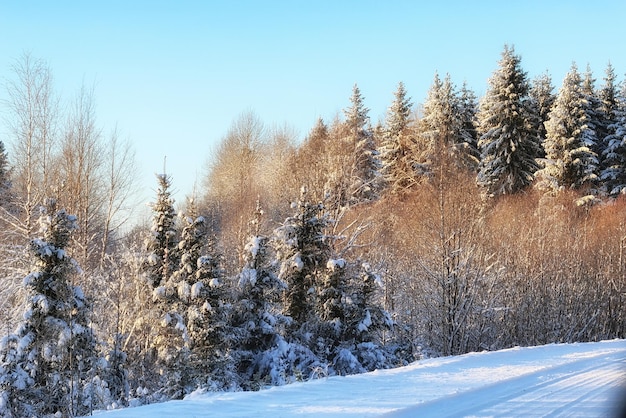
<point>173,75</point>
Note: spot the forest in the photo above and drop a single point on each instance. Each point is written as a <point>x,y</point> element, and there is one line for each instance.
<point>460,224</point>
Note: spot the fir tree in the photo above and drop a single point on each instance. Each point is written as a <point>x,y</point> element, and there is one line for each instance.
<point>509,142</point>
<point>397,169</point>
<point>569,144</point>
<point>52,360</point>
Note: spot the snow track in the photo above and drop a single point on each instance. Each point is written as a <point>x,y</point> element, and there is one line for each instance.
<point>556,380</point>
<point>587,387</point>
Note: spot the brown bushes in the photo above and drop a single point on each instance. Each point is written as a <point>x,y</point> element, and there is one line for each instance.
<point>464,274</point>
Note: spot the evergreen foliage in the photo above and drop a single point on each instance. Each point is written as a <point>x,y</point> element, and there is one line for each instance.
<point>509,142</point>
<point>258,309</point>
<point>542,95</point>
<point>5,178</point>
<point>446,128</point>
<point>467,109</point>
<point>302,249</point>
<point>611,132</point>
<point>397,166</point>
<point>571,161</point>
<point>50,365</point>
<point>364,167</point>
<point>202,304</point>
<point>161,244</point>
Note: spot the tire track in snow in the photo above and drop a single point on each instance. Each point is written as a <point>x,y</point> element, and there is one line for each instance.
<point>586,387</point>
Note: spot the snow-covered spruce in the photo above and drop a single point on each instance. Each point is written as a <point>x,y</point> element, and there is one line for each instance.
<point>508,139</point>
<point>571,161</point>
<point>50,366</point>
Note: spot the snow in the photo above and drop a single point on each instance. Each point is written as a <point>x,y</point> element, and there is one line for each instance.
<point>339,263</point>
<point>366,322</point>
<point>581,379</point>
<point>254,246</point>
<point>297,262</point>
<point>184,290</point>
<point>195,290</point>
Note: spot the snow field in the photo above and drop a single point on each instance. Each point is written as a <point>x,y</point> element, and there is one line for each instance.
<point>569,380</point>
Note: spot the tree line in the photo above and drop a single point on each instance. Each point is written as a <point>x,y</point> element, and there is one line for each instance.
<point>459,225</point>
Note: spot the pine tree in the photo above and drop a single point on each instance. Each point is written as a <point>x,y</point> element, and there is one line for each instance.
<point>52,356</point>
<point>509,142</point>
<point>396,157</point>
<point>569,141</point>
<point>364,167</point>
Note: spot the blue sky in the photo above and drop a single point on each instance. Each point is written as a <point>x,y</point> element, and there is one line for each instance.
<point>172,76</point>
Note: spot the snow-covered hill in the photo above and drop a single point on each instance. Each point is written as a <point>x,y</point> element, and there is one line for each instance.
<point>585,380</point>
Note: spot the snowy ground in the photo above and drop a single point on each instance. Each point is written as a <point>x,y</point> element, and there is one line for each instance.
<point>569,380</point>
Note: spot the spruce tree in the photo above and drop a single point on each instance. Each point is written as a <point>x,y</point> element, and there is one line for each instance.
<point>364,167</point>
<point>444,135</point>
<point>162,242</point>
<point>5,178</point>
<point>302,249</point>
<point>52,359</point>
<point>396,157</point>
<point>611,130</point>
<point>542,96</point>
<point>508,142</point>
<point>571,161</point>
<point>368,320</point>
<point>331,315</point>
<point>169,341</point>
<point>467,107</point>
<point>613,173</point>
<point>312,163</point>
<point>207,311</point>
<point>592,106</point>
<point>258,307</point>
